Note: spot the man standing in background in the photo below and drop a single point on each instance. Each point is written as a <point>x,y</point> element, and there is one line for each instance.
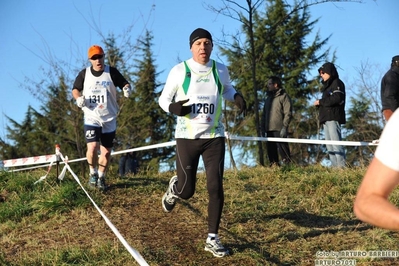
<point>277,114</point>
<point>390,89</point>
<point>332,112</point>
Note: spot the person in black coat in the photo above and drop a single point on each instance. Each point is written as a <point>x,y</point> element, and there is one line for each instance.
<point>390,89</point>
<point>128,164</point>
<point>332,111</point>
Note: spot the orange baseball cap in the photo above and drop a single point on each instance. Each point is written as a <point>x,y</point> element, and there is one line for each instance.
<point>95,49</point>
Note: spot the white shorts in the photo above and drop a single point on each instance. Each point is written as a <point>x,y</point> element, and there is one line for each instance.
<point>107,127</point>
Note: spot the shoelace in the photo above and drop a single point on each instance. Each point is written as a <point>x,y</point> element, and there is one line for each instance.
<point>170,198</point>
<point>216,243</point>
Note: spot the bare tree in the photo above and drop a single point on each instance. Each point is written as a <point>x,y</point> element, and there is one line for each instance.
<point>244,12</point>
<point>368,83</point>
<point>365,121</point>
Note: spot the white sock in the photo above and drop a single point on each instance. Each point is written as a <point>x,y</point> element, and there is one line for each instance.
<point>100,174</point>
<point>212,236</point>
<point>93,171</point>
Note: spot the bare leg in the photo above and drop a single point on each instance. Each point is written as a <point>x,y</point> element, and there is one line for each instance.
<point>92,155</point>
<point>104,159</point>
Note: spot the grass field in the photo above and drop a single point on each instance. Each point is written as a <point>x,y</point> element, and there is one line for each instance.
<point>272,216</point>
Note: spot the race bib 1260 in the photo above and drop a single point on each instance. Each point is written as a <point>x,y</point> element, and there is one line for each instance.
<point>203,108</point>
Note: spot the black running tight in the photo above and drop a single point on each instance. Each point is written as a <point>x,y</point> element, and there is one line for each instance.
<point>187,159</point>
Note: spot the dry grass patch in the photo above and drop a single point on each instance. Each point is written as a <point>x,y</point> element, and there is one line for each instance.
<point>272,216</point>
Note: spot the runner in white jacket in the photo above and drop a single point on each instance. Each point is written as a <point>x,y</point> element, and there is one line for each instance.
<point>194,91</point>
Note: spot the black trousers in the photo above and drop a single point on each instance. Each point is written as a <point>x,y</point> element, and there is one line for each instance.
<point>276,148</point>
<point>188,154</point>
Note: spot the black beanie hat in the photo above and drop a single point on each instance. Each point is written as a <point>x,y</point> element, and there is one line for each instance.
<point>395,60</point>
<point>198,34</point>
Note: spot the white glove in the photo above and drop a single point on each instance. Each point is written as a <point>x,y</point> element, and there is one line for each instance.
<point>80,101</point>
<point>127,91</point>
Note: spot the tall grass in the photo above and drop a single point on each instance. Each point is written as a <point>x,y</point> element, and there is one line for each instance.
<point>272,216</point>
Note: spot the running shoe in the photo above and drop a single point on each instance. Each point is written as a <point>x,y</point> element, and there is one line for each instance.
<point>169,198</point>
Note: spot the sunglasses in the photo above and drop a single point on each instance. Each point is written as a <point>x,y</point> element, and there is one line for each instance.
<point>97,56</point>
<point>322,73</point>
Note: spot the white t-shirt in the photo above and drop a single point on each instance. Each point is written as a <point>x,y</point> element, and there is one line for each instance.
<point>204,94</point>
<point>100,98</point>
<point>388,147</point>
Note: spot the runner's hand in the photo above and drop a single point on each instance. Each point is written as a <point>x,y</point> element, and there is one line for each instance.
<point>240,102</point>
<point>127,91</point>
<point>179,109</point>
<point>80,101</point>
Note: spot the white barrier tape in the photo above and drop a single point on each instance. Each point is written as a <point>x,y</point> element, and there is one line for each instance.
<point>136,255</point>
<point>28,161</point>
<point>62,174</point>
<point>28,168</point>
<point>48,171</point>
<point>308,141</point>
<point>165,144</point>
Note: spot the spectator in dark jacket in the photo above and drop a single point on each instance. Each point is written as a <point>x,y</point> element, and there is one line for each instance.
<point>277,114</point>
<point>390,89</point>
<point>332,112</point>
<point>128,164</point>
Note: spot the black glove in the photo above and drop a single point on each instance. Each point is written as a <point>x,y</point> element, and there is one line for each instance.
<point>283,132</point>
<point>179,109</point>
<point>240,102</point>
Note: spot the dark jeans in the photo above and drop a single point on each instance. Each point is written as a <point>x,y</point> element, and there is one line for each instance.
<point>276,148</point>
<point>128,165</point>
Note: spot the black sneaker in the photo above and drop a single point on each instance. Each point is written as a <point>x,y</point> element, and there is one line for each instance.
<point>169,198</point>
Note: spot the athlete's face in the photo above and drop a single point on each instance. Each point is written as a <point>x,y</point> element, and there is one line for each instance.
<point>201,50</point>
<point>97,61</point>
